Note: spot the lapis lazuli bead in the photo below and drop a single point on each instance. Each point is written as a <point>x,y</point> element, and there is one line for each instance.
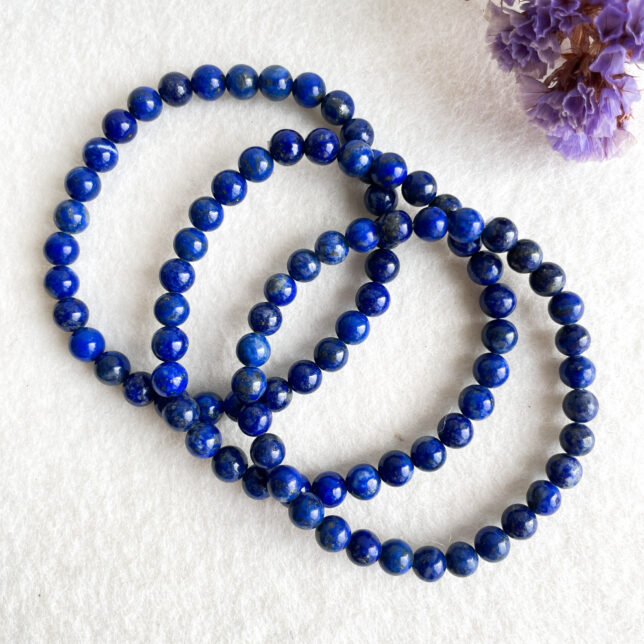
<point>175,89</point>
<point>229,464</point>
<point>577,372</point>
<point>357,130</point>
<point>61,281</point>
<point>566,307</point>
<point>447,203</point>
<point>119,126</point>
<point>206,214</point>
<point>331,354</point>
<point>169,343</point>
<point>430,224</point>
<point>100,154</point>
<point>333,534</point>
<point>253,350</point>
<point>71,216</point>
<point>71,314</point>
<point>355,158</point>
<point>255,483</point>
<point>177,275</point>
<point>500,235</point>
<point>284,483</point>
<point>363,481</point>
<point>362,235</point>
<point>232,406</point>
<point>463,249</point>
<point>372,299</point>
<point>248,384</point>
<point>308,89</point>
<point>112,368</point>
<point>465,225</point>
<point>304,377</point>
<point>519,521</point>
<point>352,327</point>
<point>394,228</point>
<point>208,82</point>
<point>181,412</point>
<point>275,83</point>
<point>388,170</point>
<point>364,548</point>
<point>303,265</point>
<point>267,451</point>
<point>576,439</point>
<point>265,318</point>
<point>491,370</point>
<point>455,430</point>
<point>563,470</point>
<point>86,344</point>
<point>330,488</point>
<point>395,468</point>
<point>525,256</point>
<point>306,511</point>
<point>485,268</point>
<point>572,339</point>
<point>396,557</point>
<point>580,405</point>
<point>337,107</point>
<point>321,146</point>
<point>429,563</point>
<point>543,497</point>
<point>171,309</point>
<point>287,147</point>
<point>428,453</point>
<point>419,188</point>
<point>278,394</point>
<point>461,559</point>
<point>499,336</point>
<point>331,247</point>
<point>379,201</point>
<point>144,104</point>
<point>476,402</point>
<point>255,419</point>
<point>229,187</point>
<point>255,164</point>
<point>190,244</point>
<point>382,265</point>
<point>82,184</point>
<point>492,544</point>
<point>169,379</point>
<point>203,440</point>
<point>549,279</point>
<point>497,300</point>
<point>211,406</point>
<point>280,289</point>
<point>137,389</point>
<point>61,249</point>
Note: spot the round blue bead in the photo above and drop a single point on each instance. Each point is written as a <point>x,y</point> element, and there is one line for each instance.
<point>61,249</point>
<point>60,282</point>
<point>380,201</point>
<point>577,372</point>
<point>278,394</point>
<point>357,130</point>
<point>206,214</point>
<point>465,225</point>
<point>86,344</point>
<point>71,216</point>
<point>71,314</point>
<point>364,548</point>
<point>169,343</point>
<point>519,521</point>
<point>499,336</point>
<point>491,370</point>
<point>396,557</point>
<point>287,147</point>
<point>144,104</point>
<point>248,384</point>
<point>329,487</point>
<point>394,228</point>
<point>419,188</point>
<point>119,126</point>
<point>203,440</point>
<point>362,235</point>
<point>211,406</point>
<point>388,170</point>
<point>500,235</point>
<point>577,439</point>
<point>543,497</point>
<point>159,403</point>
<point>485,268</point>
<point>580,405</point>
<point>171,309</point>
<point>265,318</point>
<point>525,256</point>
<point>304,377</point>
<point>337,107</point>
<point>476,402</point>
<point>352,327</point>
<point>275,83</point>
<point>267,451</point>
<point>137,389</point>
<point>208,82</point>
<point>308,89</point>
<point>463,249</point>
<point>321,146</point>
<point>331,247</point>
<point>363,481</point>
<point>175,89</point>
<point>82,184</point>
<point>492,544</point>
<point>572,339</point>
<point>382,265</point>
<point>229,187</point>
<point>177,275</point>
<point>232,406</point>
<point>372,299</point>
<point>169,379</point>
<point>566,307</point>
<point>100,154</point>
<point>331,354</point>
<point>430,224</point>
<point>549,279</point>
<point>333,534</point>
<point>255,164</point>
<point>429,563</point>
<point>446,203</point>
<point>306,511</point>
<point>455,430</point>
<point>255,483</point>
<point>280,289</point>
<point>563,470</point>
<point>284,483</point>
<point>461,559</point>
<point>355,158</point>
<point>303,265</point>
<point>395,468</point>
<point>190,244</point>
<point>255,419</point>
<point>253,350</point>
<point>497,300</point>
<point>229,464</point>
<point>428,453</point>
<point>112,368</point>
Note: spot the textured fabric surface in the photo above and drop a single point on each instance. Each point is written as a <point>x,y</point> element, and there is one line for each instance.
<point>110,531</point>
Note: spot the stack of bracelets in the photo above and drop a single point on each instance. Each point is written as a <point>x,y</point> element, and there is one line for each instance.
<point>254,398</point>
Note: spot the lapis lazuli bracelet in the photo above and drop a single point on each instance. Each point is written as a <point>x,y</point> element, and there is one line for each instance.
<point>254,398</point>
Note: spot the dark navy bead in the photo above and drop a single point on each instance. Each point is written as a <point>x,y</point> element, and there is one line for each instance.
<point>248,384</point>
<point>280,289</point>
<point>208,82</point>
<point>461,559</point>
<point>500,235</point>
<point>86,344</point>
<point>447,203</point>
<point>576,439</point>
<point>333,534</point>
<point>337,107</point>
<point>169,379</point>
<point>329,487</point>
<point>580,405</point>
<point>232,406</point>
<point>563,470</point>
<point>497,300</point>
<point>278,394</point>
<point>430,224</point>
<point>275,83</point>
<point>394,228</point>
<point>566,307</point>
<point>267,451</point>
<point>476,402</point>
<point>190,244</point>
<point>395,468</point>
<point>485,268</point>
<point>308,89</point>
<point>549,279</point>
<point>144,104</point>
<point>119,126</point>
<point>382,265</point>
<point>287,147</point>
<point>255,419</point>
<point>177,275</point>
<point>100,154</point>
<point>461,249</point>
<point>396,557</point>
<point>465,225</point>
<point>255,483</point>
<point>331,247</point>
<point>372,299</point>
<point>211,406</point>
<point>388,170</point>
<point>229,464</point>
<point>61,281</point>
<point>253,350</point>
<point>169,343</point>
<point>321,146</point>
<point>206,214</point>
<point>306,511</point>
<point>428,453</point>
<point>203,440</point>
<point>363,481</point>
<point>577,372</point>
<point>175,89</point>
<point>572,339</point>
<point>362,235</point>
<point>241,82</point>
<point>137,389</point>
<point>304,377</point>
<point>82,184</point>
<point>303,265</point>
<point>364,548</point>
<point>519,521</point>
<point>357,130</point>
<point>284,483</point>
<point>419,188</point>
<point>265,318</point>
<point>526,256</point>
<point>171,309</point>
<point>380,201</point>
<point>455,430</point>
<point>543,497</point>
<point>229,187</point>
<point>71,314</point>
<point>61,249</point>
<point>160,403</point>
<point>352,327</point>
<point>355,158</point>
<point>429,563</point>
<point>492,544</point>
<point>112,368</point>
<point>71,216</point>
<point>491,370</point>
<point>331,354</point>
<point>255,164</point>
<point>499,336</point>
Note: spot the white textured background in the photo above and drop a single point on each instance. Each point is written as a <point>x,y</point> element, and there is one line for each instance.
<point>110,531</point>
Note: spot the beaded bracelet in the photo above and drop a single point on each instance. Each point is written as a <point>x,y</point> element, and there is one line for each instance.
<point>440,215</point>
